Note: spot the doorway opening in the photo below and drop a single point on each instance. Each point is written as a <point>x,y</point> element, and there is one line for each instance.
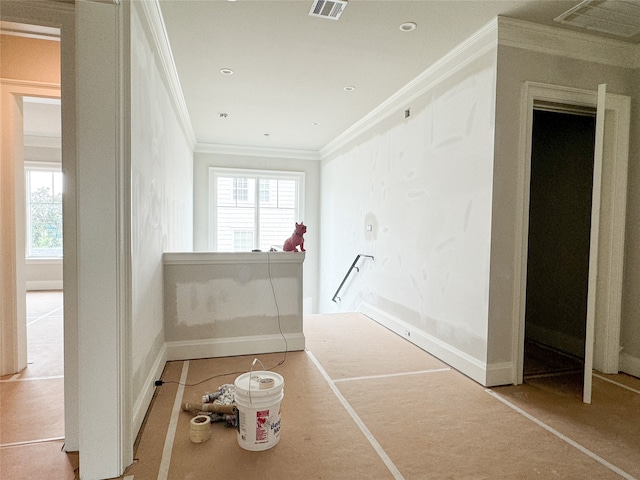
<point>606,240</point>
<point>42,158</point>
<point>557,281</point>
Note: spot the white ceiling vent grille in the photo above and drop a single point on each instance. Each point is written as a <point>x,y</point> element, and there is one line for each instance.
<point>615,17</point>
<point>328,8</point>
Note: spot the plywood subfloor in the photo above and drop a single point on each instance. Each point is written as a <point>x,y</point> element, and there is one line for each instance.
<point>362,402</point>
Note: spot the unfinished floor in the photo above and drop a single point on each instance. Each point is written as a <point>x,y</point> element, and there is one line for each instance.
<point>360,403</point>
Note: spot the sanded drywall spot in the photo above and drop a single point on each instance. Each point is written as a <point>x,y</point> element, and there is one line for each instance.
<point>221,300</point>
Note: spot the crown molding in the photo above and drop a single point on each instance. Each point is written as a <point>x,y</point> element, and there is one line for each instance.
<point>567,43</point>
<point>463,54</point>
<point>36,12</point>
<point>153,16</point>
<point>500,31</point>
<point>39,32</point>
<point>264,152</point>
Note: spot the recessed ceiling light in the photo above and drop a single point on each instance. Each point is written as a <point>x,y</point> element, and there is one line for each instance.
<point>349,88</point>
<point>408,26</point>
<point>226,71</point>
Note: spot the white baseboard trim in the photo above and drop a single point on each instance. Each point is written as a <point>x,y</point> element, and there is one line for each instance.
<point>630,364</point>
<point>232,346</point>
<point>141,404</point>
<point>487,375</point>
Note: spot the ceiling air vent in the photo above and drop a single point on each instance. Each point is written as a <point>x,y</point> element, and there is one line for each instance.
<point>328,8</point>
<point>615,17</point>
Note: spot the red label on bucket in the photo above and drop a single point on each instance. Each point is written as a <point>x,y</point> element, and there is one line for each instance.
<point>262,426</point>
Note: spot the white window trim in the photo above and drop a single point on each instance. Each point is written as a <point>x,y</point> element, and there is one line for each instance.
<point>215,172</point>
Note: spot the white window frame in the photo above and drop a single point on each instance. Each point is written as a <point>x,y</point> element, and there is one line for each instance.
<point>215,172</point>
<point>42,167</point>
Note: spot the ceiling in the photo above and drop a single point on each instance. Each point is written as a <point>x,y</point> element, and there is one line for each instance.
<point>290,69</point>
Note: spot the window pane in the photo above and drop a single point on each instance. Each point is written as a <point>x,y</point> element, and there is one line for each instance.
<point>277,214</point>
<point>240,189</point>
<point>265,190</point>
<point>235,214</point>
<point>287,193</point>
<point>254,210</point>
<point>276,225</point>
<point>44,206</point>
<point>242,241</point>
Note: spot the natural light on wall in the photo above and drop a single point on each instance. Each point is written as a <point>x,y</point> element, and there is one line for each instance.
<point>253,210</point>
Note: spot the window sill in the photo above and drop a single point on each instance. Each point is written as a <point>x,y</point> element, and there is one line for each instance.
<point>43,260</point>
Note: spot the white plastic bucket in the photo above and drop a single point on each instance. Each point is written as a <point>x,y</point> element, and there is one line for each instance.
<point>258,397</point>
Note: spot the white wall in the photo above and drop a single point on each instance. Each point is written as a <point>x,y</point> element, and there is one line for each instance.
<point>161,199</point>
<point>444,211</point>
<point>43,274</point>
<point>425,185</point>
<point>630,331</point>
<point>203,160</point>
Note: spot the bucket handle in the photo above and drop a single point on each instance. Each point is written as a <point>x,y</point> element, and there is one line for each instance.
<point>255,360</point>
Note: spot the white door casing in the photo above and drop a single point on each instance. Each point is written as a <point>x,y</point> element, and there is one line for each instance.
<point>594,244</point>
<point>610,232</point>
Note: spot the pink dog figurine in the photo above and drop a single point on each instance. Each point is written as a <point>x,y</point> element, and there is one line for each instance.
<point>291,243</point>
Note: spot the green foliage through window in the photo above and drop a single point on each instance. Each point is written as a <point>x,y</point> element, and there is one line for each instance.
<point>44,213</point>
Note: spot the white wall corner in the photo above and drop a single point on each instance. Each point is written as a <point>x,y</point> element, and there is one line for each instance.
<point>493,375</point>
<point>566,43</point>
<point>141,404</point>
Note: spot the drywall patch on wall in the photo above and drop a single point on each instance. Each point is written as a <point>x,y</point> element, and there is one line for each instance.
<point>216,296</point>
<point>220,300</point>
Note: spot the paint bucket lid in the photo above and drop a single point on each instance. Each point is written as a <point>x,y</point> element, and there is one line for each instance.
<point>261,383</point>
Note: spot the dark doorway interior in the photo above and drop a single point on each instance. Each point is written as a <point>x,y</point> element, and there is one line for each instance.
<point>559,236</point>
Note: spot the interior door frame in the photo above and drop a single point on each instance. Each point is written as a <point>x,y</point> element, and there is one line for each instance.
<point>608,300</point>
<point>60,16</point>
<point>13,328</point>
